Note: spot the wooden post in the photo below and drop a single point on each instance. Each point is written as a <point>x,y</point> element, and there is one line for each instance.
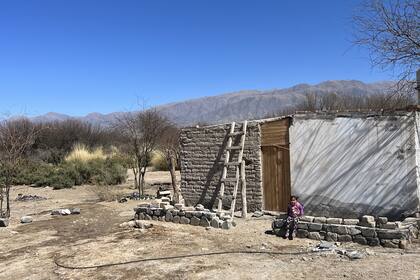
<point>243,183</point>
<point>235,192</point>
<point>227,157</point>
<point>418,86</point>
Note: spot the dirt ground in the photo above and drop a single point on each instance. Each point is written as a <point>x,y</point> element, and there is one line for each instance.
<point>28,251</point>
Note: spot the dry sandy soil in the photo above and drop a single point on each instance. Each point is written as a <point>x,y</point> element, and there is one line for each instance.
<point>28,251</point>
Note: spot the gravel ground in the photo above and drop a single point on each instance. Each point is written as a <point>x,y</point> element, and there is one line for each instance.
<point>94,238</point>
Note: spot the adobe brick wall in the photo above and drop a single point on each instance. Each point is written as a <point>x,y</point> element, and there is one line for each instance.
<point>202,155</point>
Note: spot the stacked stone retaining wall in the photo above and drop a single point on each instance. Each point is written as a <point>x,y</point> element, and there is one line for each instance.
<point>365,231</point>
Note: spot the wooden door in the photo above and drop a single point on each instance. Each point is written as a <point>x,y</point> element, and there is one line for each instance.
<point>276,164</point>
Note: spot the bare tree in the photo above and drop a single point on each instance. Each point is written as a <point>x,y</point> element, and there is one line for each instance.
<point>143,131</point>
<point>391,31</point>
<point>169,145</point>
<point>16,138</point>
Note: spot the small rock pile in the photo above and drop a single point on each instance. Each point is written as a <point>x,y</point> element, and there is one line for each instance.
<point>366,230</point>
<point>135,196</point>
<point>325,246</point>
<point>136,224</point>
<point>180,214</point>
<point>65,211</point>
<point>29,197</point>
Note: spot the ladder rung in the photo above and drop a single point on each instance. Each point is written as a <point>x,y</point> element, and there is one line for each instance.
<point>234,148</point>
<point>235,163</point>
<point>236,133</point>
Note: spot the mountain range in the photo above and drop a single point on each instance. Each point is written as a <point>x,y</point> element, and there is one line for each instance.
<point>241,105</point>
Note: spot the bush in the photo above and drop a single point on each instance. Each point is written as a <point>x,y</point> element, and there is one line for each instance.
<point>108,171</point>
<point>83,154</point>
<point>159,162</point>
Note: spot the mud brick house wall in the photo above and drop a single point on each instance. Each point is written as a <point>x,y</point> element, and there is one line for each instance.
<point>202,156</point>
<point>340,165</point>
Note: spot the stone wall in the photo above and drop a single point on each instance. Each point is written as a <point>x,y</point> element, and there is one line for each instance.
<point>179,214</point>
<point>202,156</point>
<point>366,231</point>
<point>344,166</point>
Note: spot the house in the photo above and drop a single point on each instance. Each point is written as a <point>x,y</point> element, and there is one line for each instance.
<point>339,164</point>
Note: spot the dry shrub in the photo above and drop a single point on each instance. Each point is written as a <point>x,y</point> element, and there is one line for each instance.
<point>159,162</point>
<point>81,153</point>
<point>107,193</point>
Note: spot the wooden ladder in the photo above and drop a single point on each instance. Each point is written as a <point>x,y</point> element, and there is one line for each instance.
<point>239,170</point>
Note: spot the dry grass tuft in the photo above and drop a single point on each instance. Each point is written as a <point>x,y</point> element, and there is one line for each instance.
<point>107,193</point>
<point>81,153</point>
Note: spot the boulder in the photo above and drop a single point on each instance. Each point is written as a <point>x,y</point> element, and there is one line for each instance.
<point>371,241</point>
<point>389,243</point>
<point>227,224</point>
<point>168,217</point>
<point>26,219</point>
<point>195,221</point>
<point>389,225</point>
<point>391,234</point>
<point>4,222</point>
<point>176,219</point>
<point>336,221</point>
<point>368,232</point>
<point>215,222</point>
<point>314,235</point>
<point>360,240</point>
<point>353,231</point>
<point>308,219</point>
<point>167,207</point>
<point>382,220</point>
<point>257,214</point>
<point>179,206</point>
<point>75,211</point>
<point>331,236</point>
<point>184,220</point>
<point>339,229</point>
<point>301,233</point>
<point>320,220</point>
<point>344,238</point>
<point>314,227</point>
<point>367,221</point>
<point>350,221</point>
<point>403,244</point>
<point>204,222</point>
<point>198,214</point>
<point>302,225</point>
<point>199,207</point>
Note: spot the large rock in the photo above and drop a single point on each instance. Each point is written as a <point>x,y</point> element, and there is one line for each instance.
<point>184,220</point>
<point>350,221</point>
<point>4,222</point>
<point>26,219</point>
<point>339,229</point>
<point>367,221</point>
<point>169,217</point>
<point>320,220</point>
<point>336,221</point>
<point>368,232</point>
<point>199,207</point>
<point>331,236</point>
<point>215,222</point>
<point>391,234</point>
<point>359,239</point>
<point>371,241</point>
<point>204,222</point>
<point>344,238</point>
<point>353,231</point>
<point>390,243</point>
<point>302,225</point>
<point>75,211</point>
<point>314,235</point>
<point>176,219</point>
<point>227,224</point>
<point>382,220</point>
<point>308,219</point>
<point>195,221</point>
<point>314,227</point>
<point>301,233</point>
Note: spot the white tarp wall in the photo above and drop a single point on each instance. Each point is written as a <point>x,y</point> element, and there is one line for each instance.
<point>351,166</point>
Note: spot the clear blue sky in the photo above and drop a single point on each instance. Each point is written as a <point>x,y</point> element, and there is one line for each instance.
<point>81,56</point>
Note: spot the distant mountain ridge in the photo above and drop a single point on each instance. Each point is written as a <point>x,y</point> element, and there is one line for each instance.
<point>235,106</point>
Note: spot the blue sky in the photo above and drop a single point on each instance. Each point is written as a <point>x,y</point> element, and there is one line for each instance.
<point>81,56</point>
